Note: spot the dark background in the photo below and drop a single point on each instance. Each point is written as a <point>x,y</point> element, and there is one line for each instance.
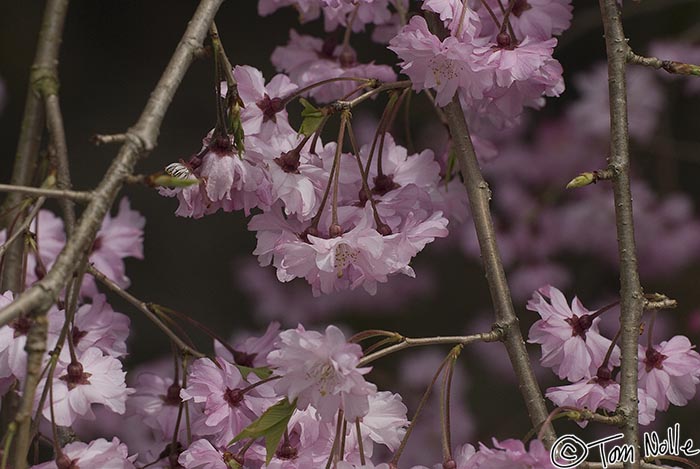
<point>113,54</point>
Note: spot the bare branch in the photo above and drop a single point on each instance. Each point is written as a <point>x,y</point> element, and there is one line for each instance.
<point>506,319</point>
<point>77,196</point>
<point>100,139</point>
<point>35,348</point>
<point>671,66</point>
<point>631,295</point>
<point>54,122</point>
<point>143,137</point>
<point>23,226</point>
<point>41,83</point>
<point>143,307</point>
<point>407,342</point>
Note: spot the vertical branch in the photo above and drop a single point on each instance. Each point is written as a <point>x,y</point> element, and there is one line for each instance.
<point>36,348</point>
<point>479,197</point>
<point>631,295</point>
<point>41,80</point>
<point>54,122</point>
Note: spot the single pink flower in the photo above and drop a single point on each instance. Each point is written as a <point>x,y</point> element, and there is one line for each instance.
<point>219,389</point>
<point>571,342</point>
<point>98,454</point>
<point>670,371</point>
<point>94,379</point>
<point>321,370</point>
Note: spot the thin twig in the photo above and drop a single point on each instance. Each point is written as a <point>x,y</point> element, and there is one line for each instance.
<point>631,294</point>
<point>143,307</point>
<point>143,137</point>
<point>407,342</point>
<point>57,132</point>
<point>23,226</point>
<point>78,196</point>
<point>671,66</point>
<point>101,139</point>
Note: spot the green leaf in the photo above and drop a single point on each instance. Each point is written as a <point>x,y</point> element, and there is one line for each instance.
<point>164,180</point>
<point>262,372</point>
<point>313,117</point>
<point>270,426</point>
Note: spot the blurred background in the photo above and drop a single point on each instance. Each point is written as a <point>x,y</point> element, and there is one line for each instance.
<point>114,52</point>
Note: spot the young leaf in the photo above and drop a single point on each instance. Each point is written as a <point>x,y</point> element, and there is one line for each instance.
<point>270,426</point>
<point>313,117</point>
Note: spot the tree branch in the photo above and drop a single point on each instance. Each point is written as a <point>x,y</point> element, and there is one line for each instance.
<point>671,66</point>
<point>479,197</point>
<point>631,295</point>
<point>142,138</point>
<point>54,122</point>
<point>40,81</point>
<point>407,342</point>
<point>78,196</point>
<point>143,307</point>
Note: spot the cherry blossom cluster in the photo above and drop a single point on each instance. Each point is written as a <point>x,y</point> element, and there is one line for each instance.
<point>574,348</point>
<point>320,219</point>
<point>495,69</point>
<point>344,219</point>
<point>87,372</point>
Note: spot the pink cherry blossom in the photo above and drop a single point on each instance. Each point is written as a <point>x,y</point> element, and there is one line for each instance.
<point>218,388</point>
<point>385,422</point>
<point>50,239</point>
<point>571,342</point>
<point>251,352</point>
<point>600,393</point>
<point>202,455</point>
<point>539,19</point>
<point>443,66</point>
<point>98,454</point>
<point>321,370</point>
<point>13,338</point>
<point>157,401</point>
<point>670,371</point>
<point>94,379</point>
<point>264,110</point>
<point>119,237</point>
<point>94,325</point>
<point>511,454</point>
<point>308,60</point>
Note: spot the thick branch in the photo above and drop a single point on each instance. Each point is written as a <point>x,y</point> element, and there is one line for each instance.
<point>35,348</point>
<point>142,138</point>
<point>631,295</point>
<point>479,197</point>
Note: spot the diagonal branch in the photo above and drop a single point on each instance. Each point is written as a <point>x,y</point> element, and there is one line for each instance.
<point>506,320</point>
<point>631,295</point>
